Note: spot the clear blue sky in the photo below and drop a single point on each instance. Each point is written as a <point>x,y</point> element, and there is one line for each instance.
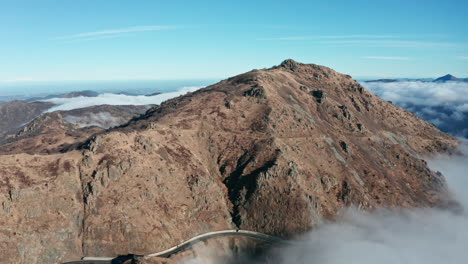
<point>55,40</point>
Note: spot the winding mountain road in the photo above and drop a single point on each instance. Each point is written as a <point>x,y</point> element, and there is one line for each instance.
<point>184,246</point>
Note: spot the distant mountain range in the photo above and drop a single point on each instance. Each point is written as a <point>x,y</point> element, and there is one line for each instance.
<point>444,78</point>
<point>450,77</point>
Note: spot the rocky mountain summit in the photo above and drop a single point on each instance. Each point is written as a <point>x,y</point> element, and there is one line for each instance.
<point>274,151</point>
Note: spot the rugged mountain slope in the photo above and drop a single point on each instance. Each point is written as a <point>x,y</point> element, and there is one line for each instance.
<point>59,130</point>
<point>14,114</point>
<point>270,150</point>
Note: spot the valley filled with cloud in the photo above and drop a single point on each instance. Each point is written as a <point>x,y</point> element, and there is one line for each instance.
<point>443,104</point>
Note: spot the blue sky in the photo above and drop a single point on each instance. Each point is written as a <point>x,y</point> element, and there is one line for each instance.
<point>56,40</point>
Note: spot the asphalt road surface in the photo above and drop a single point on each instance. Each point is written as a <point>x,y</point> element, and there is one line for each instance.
<point>182,246</point>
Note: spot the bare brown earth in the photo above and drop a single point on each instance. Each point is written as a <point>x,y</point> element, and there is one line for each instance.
<point>273,151</point>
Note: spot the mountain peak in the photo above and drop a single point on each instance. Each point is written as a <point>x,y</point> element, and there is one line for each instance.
<point>447,77</point>
<point>290,64</point>
<point>272,151</point>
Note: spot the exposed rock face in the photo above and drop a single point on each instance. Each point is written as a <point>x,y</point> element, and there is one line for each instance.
<point>262,151</point>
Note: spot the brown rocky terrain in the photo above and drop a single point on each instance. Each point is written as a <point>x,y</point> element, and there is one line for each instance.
<point>273,151</point>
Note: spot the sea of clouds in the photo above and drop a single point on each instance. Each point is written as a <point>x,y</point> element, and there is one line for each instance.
<point>443,104</point>
<point>115,99</point>
<point>103,119</point>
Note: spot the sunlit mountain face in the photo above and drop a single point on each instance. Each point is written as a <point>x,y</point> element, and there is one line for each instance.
<point>234,132</point>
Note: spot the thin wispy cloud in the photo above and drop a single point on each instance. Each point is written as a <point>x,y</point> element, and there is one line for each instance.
<point>386,58</point>
<point>114,32</point>
<point>369,40</point>
<point>390,43</point>
<point>333,37</point>
<point>462,57</point>
<point>94,38</point>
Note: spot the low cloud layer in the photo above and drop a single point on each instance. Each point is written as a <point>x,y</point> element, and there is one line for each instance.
<point>114,99</point>
<point>102,119</point>
<point>443,104</point>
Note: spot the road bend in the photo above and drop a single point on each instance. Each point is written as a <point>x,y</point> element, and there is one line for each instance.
<point>183,246</point>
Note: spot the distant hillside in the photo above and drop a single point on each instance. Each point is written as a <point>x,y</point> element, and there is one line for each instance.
<point>85,93</point>
<point>14,114</point>
<point>384,80</point>
<point>49,132</point>
<point>446,78</point>
<point>400,80</point>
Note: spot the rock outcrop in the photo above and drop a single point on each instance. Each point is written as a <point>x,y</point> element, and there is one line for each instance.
<point>273,151</point>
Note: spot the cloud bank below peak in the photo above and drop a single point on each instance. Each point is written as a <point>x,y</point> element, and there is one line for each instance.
<point>443,104</point>
<point>115,99</point>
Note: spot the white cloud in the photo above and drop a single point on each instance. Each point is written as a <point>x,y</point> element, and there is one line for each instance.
<point>462,57</point>
<point>386,58</point>
<point>94,38</point>
<point>331,37</point>
<point>114,32</point>
<point>443,104</point>
<point>102,119</point>
<point>463,108</point>
<point>368,40</point>
<point>390,43</point>
<point>422,93</point>
<point>114,99</point>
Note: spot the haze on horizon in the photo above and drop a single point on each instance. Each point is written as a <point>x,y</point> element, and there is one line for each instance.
<point>121,40</point>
